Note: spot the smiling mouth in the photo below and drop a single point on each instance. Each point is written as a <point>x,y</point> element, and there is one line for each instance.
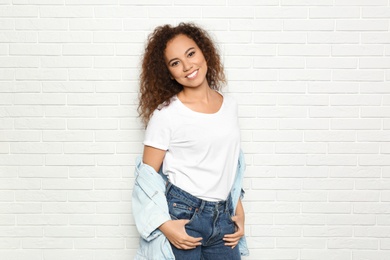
<point>192,75</point>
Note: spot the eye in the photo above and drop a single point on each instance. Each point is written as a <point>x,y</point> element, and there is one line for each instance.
<point>174,63</point>
<point>192,53</point>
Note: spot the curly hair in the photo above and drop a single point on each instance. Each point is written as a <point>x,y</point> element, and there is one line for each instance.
<point>156,85</point>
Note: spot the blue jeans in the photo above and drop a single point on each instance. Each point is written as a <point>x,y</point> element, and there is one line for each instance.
<point>209,220</point>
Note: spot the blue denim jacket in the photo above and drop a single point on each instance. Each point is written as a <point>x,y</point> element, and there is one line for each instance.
<point>150,210</point>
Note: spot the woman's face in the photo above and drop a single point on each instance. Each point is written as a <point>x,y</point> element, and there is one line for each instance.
<point>185,62</point>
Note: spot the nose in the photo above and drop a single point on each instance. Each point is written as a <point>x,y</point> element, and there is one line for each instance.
<point>186,66</point>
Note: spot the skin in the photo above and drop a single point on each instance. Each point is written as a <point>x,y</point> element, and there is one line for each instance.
<point>188,66</point>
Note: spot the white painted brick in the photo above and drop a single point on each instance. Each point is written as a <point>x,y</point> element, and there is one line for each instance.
<point>306,243</point>
<point>353,148</point>
<point>303,75</point>
<point>327,231</point>
<point>6,124</point>
<point>46,243</point>
<point>94,172</point>
<point>302,171</point>
<point>379,232</point>
<point>303,100</point>
<point>371,208</point>
<point>349,219</point>
<point>250,49</point>
<point>20,136</point>
<point>375,37</point>
<point>21,232</point>
<point>13,243</point>
<point>333,37</point>
<point>67,184</point>
<point>18,62</point>
<point>69,232</point>
<point>361,2</point>
<point>87,49</point>
<point>116,62</point>
<point>309,25</point>
<point>334,12</point>
<point>63,254</point>
<point>118,37</point>
<point>328,184</point>
<point>274,62</point>
<point>256,25</point>
<point>113,184</point>
<point>94,196</point>
<point>276,231</point>
<point>72,159</point>
<point>41,196</point>
<point>94,74</point>
<point>39,99</point>
<point>331,160</point>
<point>281,112</point>
<point>281,12</point>
<point>374,159</point>
<point>352,243</point>
<point>355,172</point>
<point>376,12</point>
<point>20,159</point>
<point>70,111</point>
<point>334,112</point>
<point>279,159</point>
<point>279,38</point>
<point>69,208</point>
<point>66,62</point>
<point>373,136</point>
<point>92,99</point>
<point>48,24</point>
<point>33,147</point>
<point>357,50</point>
<point>372,184</point>
<point>375,112</point>
<point>89,148</point>
<point>43,172</point>
<point>375,254</point>
<point>355,196</point>
<point>130,231</point>
<point>181,12</point>
<point>18,37</point>
<point>325,254</point>
<point>100,243</point>
<point>374,63</point>
<point>7,24</point>
<point>90,124</point>
<point>38,2</point>
<point>36,124</point>
<point>293,196</point>
<point>358,75</point>
<point>304,50</point>
<point>67,136</point>
<point>41,74</point>
<point>65,37</point>
<point>356,124</point>
<point>65,12</point>
<point>362,25</point>
<point>304,124</point>
<point>355,100</point>
<point>277,136</point>
<point>299,219</point>
<point>331,63</point>
<point>224,12</point>
<point>78,24</point>
<point>18,11</point>
<point>251,2</point>
<point>92,220</point>
<point>6,196</point>
<point>300,148</point>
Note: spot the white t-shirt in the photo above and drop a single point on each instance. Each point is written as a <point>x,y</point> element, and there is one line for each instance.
<point>201,149</point>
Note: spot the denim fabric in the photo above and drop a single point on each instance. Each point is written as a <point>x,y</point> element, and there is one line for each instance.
<point>209,220</point>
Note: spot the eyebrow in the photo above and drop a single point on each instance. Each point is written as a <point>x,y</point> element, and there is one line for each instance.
<point>187,51</point>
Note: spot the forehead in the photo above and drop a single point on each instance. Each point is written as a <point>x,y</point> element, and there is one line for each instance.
<point>179,45</point>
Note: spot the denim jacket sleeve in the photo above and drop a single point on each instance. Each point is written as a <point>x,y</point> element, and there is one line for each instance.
<point>149,204</point>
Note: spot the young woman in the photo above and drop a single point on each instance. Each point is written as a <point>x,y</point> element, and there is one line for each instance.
<point>192,138</point>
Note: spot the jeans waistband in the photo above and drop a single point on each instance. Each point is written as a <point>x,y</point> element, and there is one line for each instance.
<point>196,202</point>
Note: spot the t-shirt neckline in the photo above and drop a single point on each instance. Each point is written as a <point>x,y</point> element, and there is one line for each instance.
<point>200,113</point>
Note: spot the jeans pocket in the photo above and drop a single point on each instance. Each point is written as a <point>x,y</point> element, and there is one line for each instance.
<point>180,210</point>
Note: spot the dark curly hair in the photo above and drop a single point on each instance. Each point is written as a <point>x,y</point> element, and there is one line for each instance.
<point>156,85</point>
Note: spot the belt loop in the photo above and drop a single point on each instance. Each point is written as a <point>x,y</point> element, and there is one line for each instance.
<point>168,185</point>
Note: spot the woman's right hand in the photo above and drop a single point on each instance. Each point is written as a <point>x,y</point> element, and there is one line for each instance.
<point>176,233</point>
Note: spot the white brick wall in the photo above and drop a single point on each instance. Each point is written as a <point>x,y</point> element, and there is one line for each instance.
<point>312,78</point>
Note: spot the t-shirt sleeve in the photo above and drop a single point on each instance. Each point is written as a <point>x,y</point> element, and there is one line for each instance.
<point>158,132</point>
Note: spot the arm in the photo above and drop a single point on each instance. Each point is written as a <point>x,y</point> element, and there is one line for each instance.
<point>239,220</point>
<point>174,230</point>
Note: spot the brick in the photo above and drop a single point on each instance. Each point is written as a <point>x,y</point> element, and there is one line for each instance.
<point>361,2</point>
<point>118,37</point>
<point>274,62</point>
<point>373,136</point>
<point>251,2</point>
<point>355,172</point>
<point>45,148</point>
<point>66,62</point>
<point>355,100</point>
<point>281,112</point>
<point>355,196</point>
<point>99,243</point>
<point>357,50</point>
<point>375,37</point>
<point>11,232</point>
<point>352,243</point>
<point>92,99</point>
<point>18,37</point>
<point>256,25</point>
<point>69,232</point>
<point>67,136</point>
<point>353,148</point>
<point>309,25</point>
<point>375,231</point>
<point>87,49</point>
<point>47,243</point>
<point>70,160</point>
<point>375,254</point>
<point>34,220</point>
<point>38,2</point>
<point>331,63</point>
<point>18,11</point>
<point>304,50</point>
<point>334,12</point>
<point>303,196</point>
<point>93,220</point>
<point>63,254</point>
<point>327,231</point>
<point>65,37</point>
<point>39,99</point>
<point>20,159</point>
<point>228,12</point>
<point>40,196</point>
<point>42,24</point>
<point>333,37</point>
<point>281,12</point>
<point>277,136</point>
<point>333,112</point>
<point>89,148</point>
<point>7,24</point>
<point>362,25</point>
<point>299,219</point>
<point>349,219</point>
<point>20,136</point>
<point>375,112</point>
<point>305,75</point>
<point>374,63</point>
<point>356,124</point>
<point>71,111</point>
<point>279,37</point>
<point>181,12</point>
<point>250,49</point>
<point>18,62</point>
<point>303,100</point>
<point>348,160</point>
<point>65,12</point>
<point>79,24</point>
<point>302,171</point>
<point>252,74</point>
<point>372,184</point>
<point>300,148</point>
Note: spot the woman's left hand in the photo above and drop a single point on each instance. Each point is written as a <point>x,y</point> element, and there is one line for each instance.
<point>232,239</point>
<point>239,222</point>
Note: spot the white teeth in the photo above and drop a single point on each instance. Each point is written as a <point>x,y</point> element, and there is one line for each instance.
<point>192,74</point>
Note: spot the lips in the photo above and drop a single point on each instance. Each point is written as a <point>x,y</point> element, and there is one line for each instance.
<point>192,75</point>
